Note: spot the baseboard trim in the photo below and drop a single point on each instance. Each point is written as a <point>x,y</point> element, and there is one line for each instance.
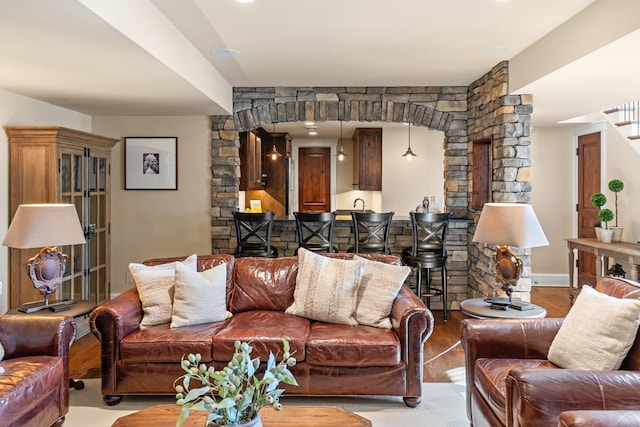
<point>554,280</point>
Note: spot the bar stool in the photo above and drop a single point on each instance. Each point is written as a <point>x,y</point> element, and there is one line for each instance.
<point>315,231</point>
<point>371,232</point>
<point>253,231</point>
<point>428,250</point>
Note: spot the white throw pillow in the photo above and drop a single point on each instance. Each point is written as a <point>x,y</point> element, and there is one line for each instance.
<point>597,333</point>
<point>326,288</point>
<point>1,357</point>
<point>156,286</point>
<point>378,288</point>
<point>200,297</point>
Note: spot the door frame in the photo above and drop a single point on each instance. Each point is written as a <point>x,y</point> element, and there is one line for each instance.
<point>579,130</point>
<point>293,176</point>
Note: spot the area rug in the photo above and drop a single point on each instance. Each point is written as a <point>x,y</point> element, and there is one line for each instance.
<point>443,405</point>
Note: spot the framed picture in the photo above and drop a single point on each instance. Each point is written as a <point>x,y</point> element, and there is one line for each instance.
<point>150,163</point>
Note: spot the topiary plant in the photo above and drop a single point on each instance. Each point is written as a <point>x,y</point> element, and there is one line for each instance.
<point>598,200</point>
<point>605,215</point>
<point>616,186</point>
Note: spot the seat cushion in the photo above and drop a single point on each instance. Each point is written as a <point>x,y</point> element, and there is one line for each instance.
<point>26,382</point>
<point>351,346</point>
<point>490,378</point>
<point>161,343</point>
<point>265,330</point>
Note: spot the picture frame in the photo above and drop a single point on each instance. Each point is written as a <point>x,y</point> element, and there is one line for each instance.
<point>150,163</point>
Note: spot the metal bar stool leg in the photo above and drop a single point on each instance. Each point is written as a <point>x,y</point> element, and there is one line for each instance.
<point>419,281</point>
<point>443,270</point>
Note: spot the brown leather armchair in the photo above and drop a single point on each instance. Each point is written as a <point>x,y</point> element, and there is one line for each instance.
<point>34,388</point>
<point>511,383</point>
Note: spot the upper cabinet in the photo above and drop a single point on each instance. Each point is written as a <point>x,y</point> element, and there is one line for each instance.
<point>251,161</point>
<point>50,164</point>
<point>367,159</point>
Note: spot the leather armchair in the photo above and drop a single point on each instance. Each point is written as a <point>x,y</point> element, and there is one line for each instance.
<point>511,383</point>
<point>34,389</point>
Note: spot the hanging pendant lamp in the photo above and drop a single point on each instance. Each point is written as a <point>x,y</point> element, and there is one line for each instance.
<point>274,154</point>
<point>409,153</point>
<point>340,154</point>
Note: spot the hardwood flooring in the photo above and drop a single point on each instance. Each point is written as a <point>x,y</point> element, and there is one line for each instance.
<point>442,350</point>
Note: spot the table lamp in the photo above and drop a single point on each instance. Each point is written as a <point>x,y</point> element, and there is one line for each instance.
<point>45,226</point>
<point>504,225</point>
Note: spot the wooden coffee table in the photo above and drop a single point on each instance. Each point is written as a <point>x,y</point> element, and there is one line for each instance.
<point>290,416</point>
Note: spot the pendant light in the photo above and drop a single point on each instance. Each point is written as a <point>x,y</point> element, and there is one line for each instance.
<point>409,154</point>
<point>340,154</point>
<point>274,154</point>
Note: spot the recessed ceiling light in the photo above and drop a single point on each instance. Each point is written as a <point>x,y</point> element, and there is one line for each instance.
<point>309,123</point>
<point>244,1</point>
<point>225,52</point>
<point>313,132</point>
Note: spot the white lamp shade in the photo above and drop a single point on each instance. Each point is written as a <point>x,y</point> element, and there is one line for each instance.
<point>37,226</point>
<point>511,224</point>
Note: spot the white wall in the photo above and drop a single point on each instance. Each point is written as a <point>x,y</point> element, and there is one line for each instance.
<point>159,223</point>
<point>552,181</point>
<point>17,110</point>
<point>404,182</point>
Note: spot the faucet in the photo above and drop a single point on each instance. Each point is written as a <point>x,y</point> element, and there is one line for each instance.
<point>356,201</point>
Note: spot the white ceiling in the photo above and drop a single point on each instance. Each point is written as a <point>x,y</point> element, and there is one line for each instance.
<point>152,57</point>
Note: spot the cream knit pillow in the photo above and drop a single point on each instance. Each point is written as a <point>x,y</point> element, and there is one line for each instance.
<point>377,291</point>
<point>326,288</point>
<point>597,333</point>
<point>156,286</point>
<point>200,297</point>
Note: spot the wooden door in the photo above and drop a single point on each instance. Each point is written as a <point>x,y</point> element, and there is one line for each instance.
<point>588,183</point>
<point>314,179</point>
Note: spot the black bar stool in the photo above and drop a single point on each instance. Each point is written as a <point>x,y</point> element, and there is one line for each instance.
<point>253,231</point>
<point>429,250</point>
<point>315,231</point>
<point>371,232</point>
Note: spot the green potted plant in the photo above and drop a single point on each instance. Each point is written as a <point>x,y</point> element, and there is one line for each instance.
<point>598,200</point>
<point>234,395</point>
<point>606,215</point>
<point>616,185</point>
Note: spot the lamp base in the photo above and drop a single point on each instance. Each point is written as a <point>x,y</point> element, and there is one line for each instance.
<point>58,305</point>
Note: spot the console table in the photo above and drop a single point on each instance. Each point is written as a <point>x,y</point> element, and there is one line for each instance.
<point>630,252</point>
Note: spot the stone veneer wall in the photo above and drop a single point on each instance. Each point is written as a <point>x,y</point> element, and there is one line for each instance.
<point>462,113</point>
<point>506,119</point>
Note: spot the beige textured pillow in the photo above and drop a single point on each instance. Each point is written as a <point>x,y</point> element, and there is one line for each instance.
<point>200,297</point>
<point>597,333</point>
<point>155,286</point>
<point>326,288</point>
<point>377,291</point>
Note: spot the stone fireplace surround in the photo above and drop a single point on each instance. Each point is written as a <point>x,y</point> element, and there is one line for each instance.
<point>482,110</point>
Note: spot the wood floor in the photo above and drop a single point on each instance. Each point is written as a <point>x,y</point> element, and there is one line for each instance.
<point>442,351</point>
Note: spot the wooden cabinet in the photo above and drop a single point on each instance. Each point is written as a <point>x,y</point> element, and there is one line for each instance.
<point>367,159</point>
<point>59,165</point>
<point>251,161</point>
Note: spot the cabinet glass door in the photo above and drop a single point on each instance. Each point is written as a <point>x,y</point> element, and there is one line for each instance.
<point>97,244</point>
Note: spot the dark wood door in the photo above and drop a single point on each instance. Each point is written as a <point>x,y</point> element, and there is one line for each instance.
<point>588,183</point>
<point>314,179</point>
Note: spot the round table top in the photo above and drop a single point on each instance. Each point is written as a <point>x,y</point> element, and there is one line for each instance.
<point>479,308</point>
<point>77,309</point>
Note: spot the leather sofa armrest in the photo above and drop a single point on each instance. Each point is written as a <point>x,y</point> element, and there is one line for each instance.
<point>413,324</point>
<point>504,338</point>
<point>110,323</point>
<point>536,397</point>
<point>602,418</point>
<point>34,335</point>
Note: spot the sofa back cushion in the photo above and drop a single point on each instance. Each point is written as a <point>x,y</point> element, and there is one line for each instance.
<point>622,288</point>
<point>263,284</point>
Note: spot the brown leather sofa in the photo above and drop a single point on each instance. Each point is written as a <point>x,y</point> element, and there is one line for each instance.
<point>332,359</point>
<point>511,383</point>
<point>593,418</point>
<point>34,388</point>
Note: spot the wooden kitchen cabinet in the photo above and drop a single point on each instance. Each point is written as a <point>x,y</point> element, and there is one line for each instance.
<point>251,161</point>
<point>50,164</point>
<point>367,159</point>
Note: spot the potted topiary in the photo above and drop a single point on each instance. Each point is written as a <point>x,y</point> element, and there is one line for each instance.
<point>616,186</point>
<point>598,200</point>
<point>606,215</point>
<point>234,395</point>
